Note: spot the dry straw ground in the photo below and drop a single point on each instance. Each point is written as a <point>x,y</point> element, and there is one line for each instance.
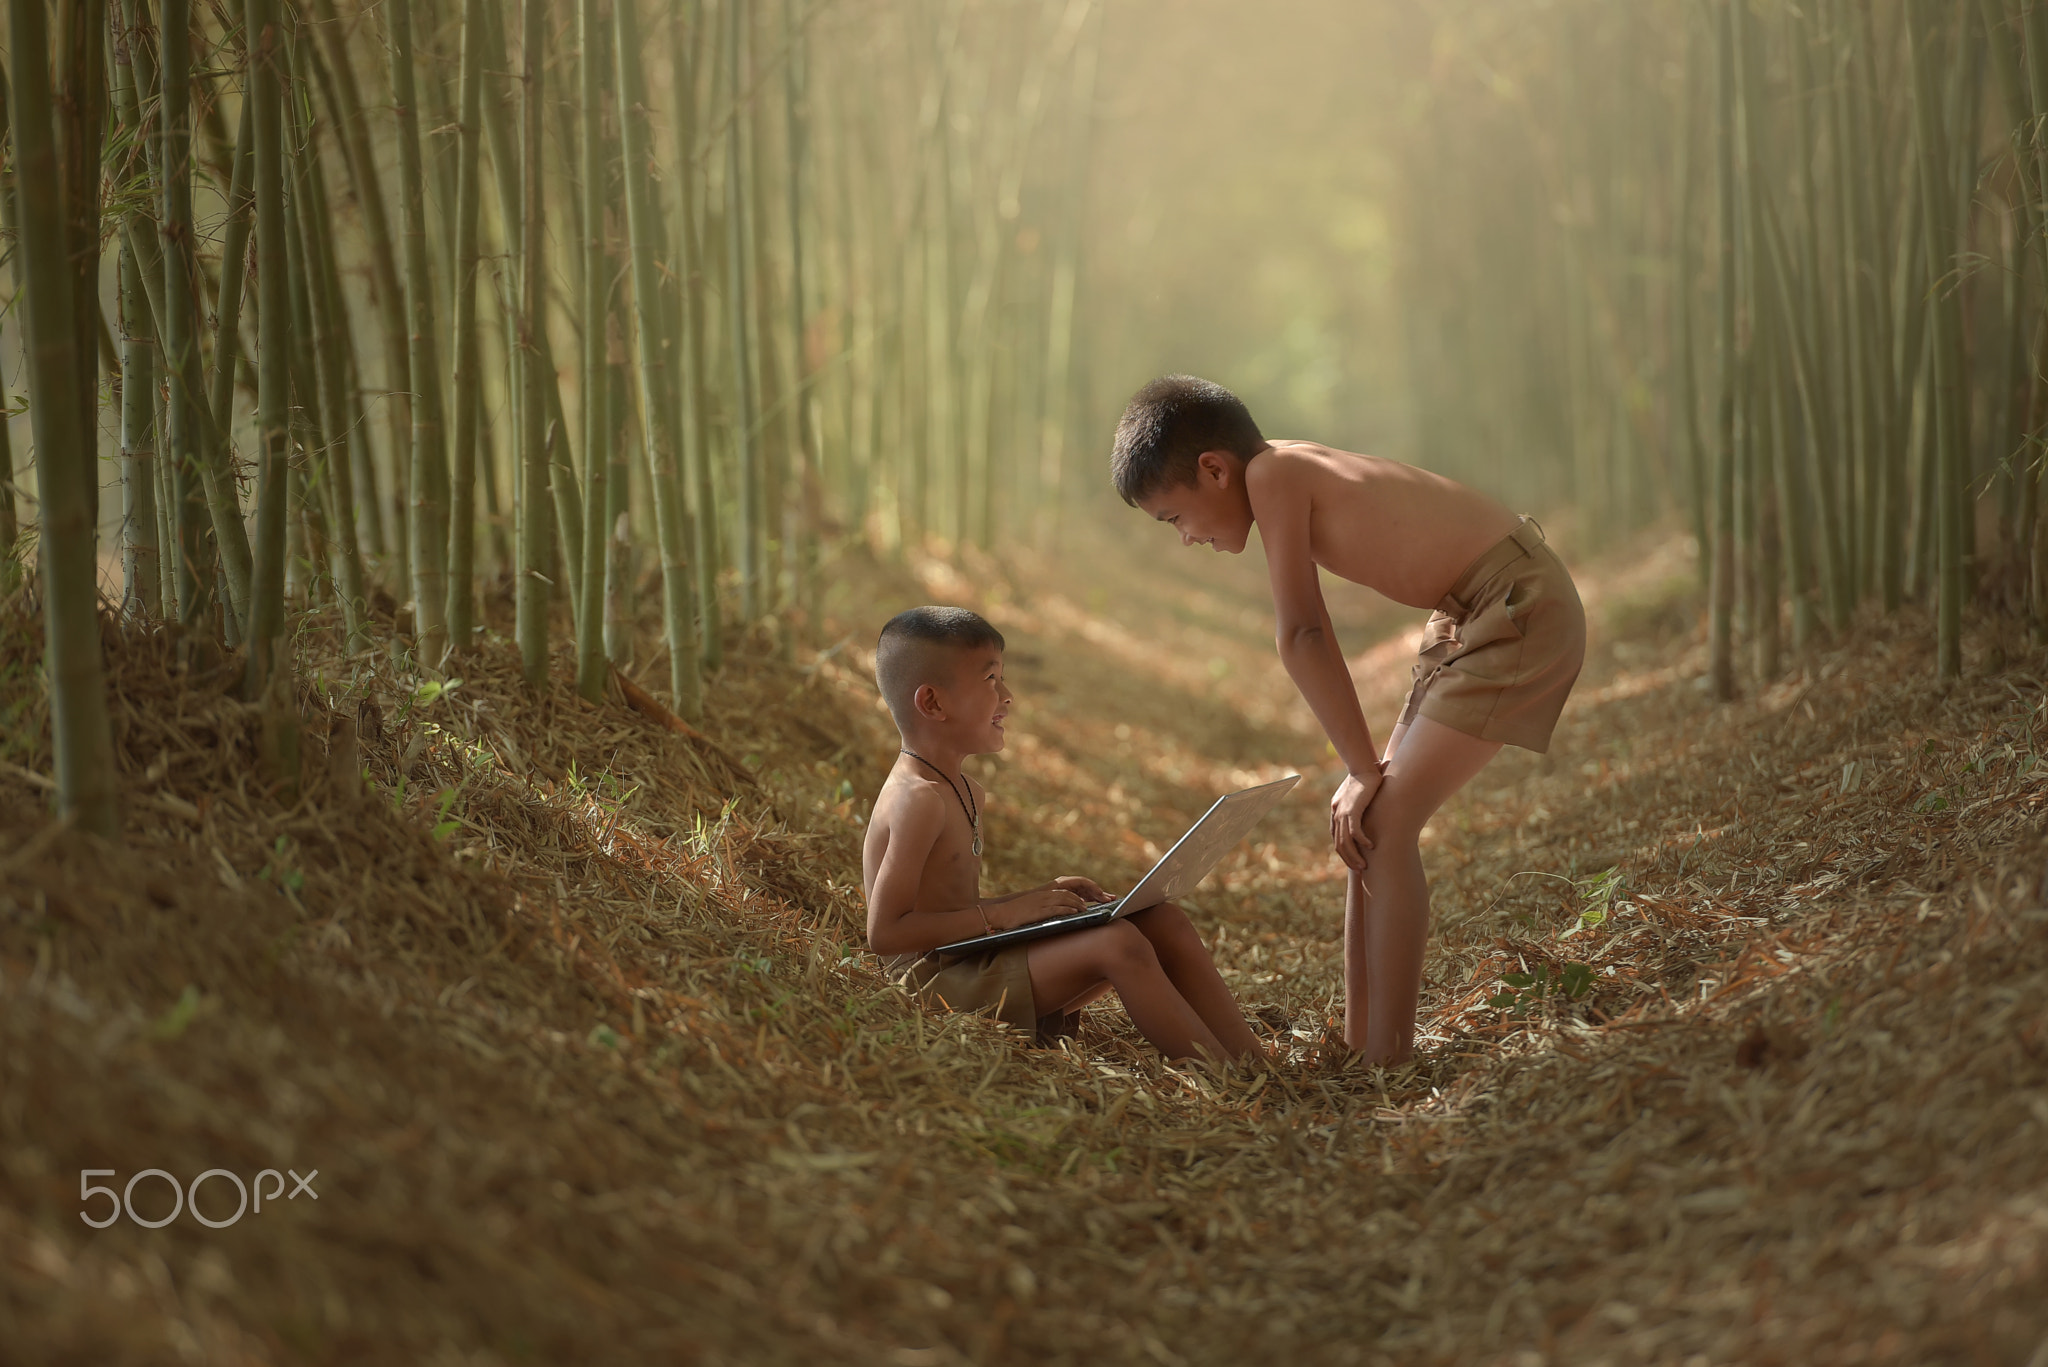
<point>570,1014</point>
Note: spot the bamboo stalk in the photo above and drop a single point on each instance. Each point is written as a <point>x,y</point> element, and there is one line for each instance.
<point>1764,449</point>
<point>697,455</point>
<point>509,202</point>
<point>592,668</point>
<point>499,331</point>
<point>2034,18</point>
<point>176,585</point>
<point>751,548</point>
<point>81,105</point>
<point>338,86</point>
<point>468,380</point>
<point>1820,500</point>
<point>658,415</point>
<point>770,412</point>
<point>273,316</point>
<point>534,543</point>
<point>428,521</point>
<point>79,729</point>
<point>234,255</point>
<point>1721,592</point>
<point>1685,390</point>
<point>10,525</point>
<point>141,574</point>
<point>1944,340</point>
<point>558,499</point>
<point>2005,444</point>
<point>1802,501</point>
<point>1860,329</point>
<point>141,551</point>
<point>809,515</point>
<point>325,337</point>
<point>565,496</point>
<point>196,443</point>
<point>858,286</point>
<point>305,584</point>
<point>940,451</point>
<point>1062,326</point>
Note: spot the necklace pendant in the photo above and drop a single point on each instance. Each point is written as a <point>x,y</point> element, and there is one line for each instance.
<point>975,848</point>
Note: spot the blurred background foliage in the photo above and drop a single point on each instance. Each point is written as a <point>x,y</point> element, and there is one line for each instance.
<point>428,309</point>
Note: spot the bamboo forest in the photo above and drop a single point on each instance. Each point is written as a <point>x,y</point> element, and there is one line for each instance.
<point>458,458</point>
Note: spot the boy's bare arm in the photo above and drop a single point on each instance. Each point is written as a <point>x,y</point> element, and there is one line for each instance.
<point>897,926</point>
<point>1306,638</point>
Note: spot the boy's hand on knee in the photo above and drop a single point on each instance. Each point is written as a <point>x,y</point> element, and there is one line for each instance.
<point>1347,817</point>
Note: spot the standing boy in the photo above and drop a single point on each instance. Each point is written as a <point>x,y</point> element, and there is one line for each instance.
<point>941,672</point>
<point>1500,653</point>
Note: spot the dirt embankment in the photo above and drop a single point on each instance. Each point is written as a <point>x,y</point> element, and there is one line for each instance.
<point>569,1013</point>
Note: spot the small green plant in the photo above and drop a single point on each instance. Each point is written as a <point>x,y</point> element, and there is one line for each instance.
<point>433,690</point>
<point>1596,895</point>
<point>444,824</point>
<point>289,879</point>
<point>172,1023</point>
<point>1526,991</point>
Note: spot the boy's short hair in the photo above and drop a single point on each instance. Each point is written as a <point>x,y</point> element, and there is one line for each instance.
<point>1168,425</point>
<point>912,639</point>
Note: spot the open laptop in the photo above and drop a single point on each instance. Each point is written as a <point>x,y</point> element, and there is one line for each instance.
<point>1175,875</point>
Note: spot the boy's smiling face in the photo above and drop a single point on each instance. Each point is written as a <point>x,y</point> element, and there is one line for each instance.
<point>974,703</point>
<point>1213,510</point>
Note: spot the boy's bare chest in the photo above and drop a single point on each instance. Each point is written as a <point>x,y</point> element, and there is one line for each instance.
<point>952,872</point>
<point>1413,560</point>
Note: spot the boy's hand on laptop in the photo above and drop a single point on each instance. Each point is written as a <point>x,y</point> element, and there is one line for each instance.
<point>1347,817</point>
<point>1036,904</point>
<point>1087,887</point>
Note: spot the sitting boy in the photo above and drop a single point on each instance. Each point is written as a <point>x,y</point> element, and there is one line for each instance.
<point>941,672</point>
<point>1500,653</point>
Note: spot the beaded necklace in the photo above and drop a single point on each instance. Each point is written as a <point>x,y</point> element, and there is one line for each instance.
<point>968,807</point>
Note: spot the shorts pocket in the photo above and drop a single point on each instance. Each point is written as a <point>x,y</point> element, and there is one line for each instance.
<point>1495,623</point>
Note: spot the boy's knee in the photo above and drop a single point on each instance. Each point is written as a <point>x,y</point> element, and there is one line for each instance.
<point>1393,823</point>
<point>1126,946</point>
<point>1165,922</point>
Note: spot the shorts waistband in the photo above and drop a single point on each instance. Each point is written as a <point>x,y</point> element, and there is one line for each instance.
<point>1526,539</point>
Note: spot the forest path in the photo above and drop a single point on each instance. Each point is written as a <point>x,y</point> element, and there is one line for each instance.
<point>1733,1038</point>
<point>572,1016</point>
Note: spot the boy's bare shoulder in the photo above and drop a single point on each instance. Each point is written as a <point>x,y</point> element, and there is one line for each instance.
<point>904,794</point>
<point>906,816</point>
<point>1283,468</point>
<point>1288,471</point>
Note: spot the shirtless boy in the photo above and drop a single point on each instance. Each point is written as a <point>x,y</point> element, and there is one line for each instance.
<point>941,672</point>
<point>1501,651</point>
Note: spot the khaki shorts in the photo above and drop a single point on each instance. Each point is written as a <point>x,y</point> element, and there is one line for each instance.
<point>997,984</point>
<point>1501,652</point>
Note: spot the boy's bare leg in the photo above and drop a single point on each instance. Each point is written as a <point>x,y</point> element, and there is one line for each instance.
<point>1393,742</point>
<point>1192,970</point>
<point>1386,909</point>
<point>1071,968</point>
